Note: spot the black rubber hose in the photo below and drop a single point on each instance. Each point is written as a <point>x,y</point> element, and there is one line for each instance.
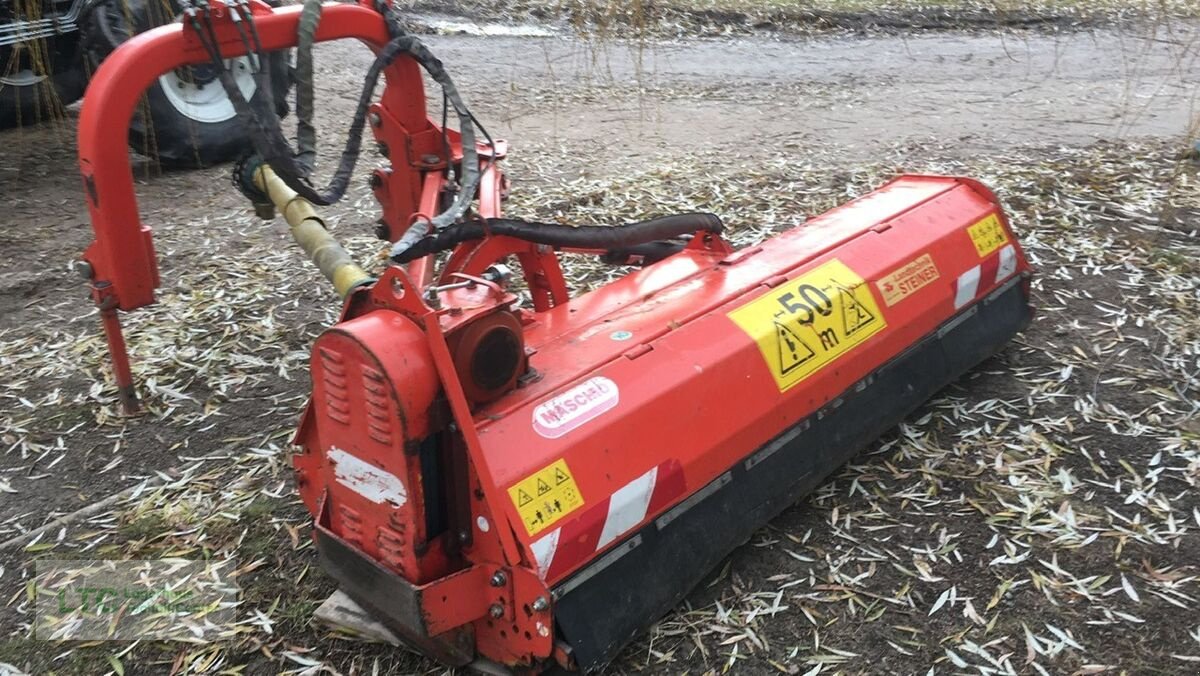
<point>643,254</point>
<point>268,141</point>
<point>606,237</point>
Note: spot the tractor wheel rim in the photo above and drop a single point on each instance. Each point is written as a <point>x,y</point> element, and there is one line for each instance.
<point>207,102</point>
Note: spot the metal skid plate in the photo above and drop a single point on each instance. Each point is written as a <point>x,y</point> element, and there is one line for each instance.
<point>393,601</point>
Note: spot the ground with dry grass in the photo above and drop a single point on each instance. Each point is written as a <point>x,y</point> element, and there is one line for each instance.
<point>608,18</point>
<point>1039,516</point>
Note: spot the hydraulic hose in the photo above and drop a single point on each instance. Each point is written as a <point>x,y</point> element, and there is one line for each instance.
<point>269,142</point>
<point>606,237</point>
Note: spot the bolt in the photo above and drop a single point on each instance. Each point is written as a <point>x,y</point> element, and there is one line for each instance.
<point>430,159</point>
<point>498,274</point>
<point>496,611</point>
<point>540,604</point>
<point>376,121</point>
<point>83,269</point>
<point>499,579</point>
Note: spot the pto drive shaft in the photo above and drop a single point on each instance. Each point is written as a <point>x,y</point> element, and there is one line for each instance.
<point>310,233</point>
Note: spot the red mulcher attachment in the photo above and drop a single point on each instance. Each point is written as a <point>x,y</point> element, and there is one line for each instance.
<point>531,487</point>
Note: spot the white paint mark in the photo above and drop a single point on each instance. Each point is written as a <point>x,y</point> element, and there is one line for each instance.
<point>369,481</point>
<point>483,524</point>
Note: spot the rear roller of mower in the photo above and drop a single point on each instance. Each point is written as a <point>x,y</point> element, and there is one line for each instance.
<point>533,486</point>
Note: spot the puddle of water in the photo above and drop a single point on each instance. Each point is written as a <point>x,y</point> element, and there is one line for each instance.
<point>458,26</point>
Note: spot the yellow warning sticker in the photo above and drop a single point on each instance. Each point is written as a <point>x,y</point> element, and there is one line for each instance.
<point>907,279</point>
<point>809,322</point>
<point>988,235</point>
<point>546,496</point>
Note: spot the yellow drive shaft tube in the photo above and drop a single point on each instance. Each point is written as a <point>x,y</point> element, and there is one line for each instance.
<point>310,233</point>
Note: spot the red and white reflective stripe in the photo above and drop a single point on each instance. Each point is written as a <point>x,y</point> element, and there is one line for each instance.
<point>607,521</point>
<point>627,507</point>
<point>543,551</point>
<point>965,288</point>
<point>1008,263</point>
<point>996,269</point>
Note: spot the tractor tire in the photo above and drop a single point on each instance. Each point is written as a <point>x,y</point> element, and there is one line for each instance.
<point>186,120</point>
<point>30,95</point>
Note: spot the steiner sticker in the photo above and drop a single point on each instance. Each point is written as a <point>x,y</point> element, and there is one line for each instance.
<point>988,235</point>
<point>564,412</point>
<point>546,496</point>
<point>907,280</point>
<point>807,323</point>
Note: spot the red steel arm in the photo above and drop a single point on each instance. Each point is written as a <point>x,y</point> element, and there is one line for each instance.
<point>122,253</point>
<point>121,261</point>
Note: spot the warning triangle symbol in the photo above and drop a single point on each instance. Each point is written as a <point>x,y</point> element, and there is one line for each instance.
<point>792,351</point>
<point>543,487</point>
<point>523,498</point>
<point>855,315</point>
<point>560,477</point>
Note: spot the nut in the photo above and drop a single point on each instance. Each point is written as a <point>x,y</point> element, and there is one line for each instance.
<point>83,269</point>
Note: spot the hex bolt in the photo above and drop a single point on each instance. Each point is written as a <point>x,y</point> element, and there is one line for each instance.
<point>376,120</point>
<point>83,269</point>
<point>496,611</point>
<point>540,604</point>
<point>499,579</point>
<point>430,159</point>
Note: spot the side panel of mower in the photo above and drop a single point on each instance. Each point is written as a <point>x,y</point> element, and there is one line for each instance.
<point>661,381</point>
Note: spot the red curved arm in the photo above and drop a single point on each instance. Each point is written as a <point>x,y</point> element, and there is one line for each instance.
<point>123,268</point>
<point>122,265</point>
<point>123,254</point>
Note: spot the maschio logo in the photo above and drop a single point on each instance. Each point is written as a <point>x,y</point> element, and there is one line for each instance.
<point>561,414</point>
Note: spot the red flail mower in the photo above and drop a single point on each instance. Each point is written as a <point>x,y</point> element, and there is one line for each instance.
<point>528,480</point>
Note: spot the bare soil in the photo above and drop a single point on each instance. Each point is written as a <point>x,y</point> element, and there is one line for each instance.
<point>808,112</point>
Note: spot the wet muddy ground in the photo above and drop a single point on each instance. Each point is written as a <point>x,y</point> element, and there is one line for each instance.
<point>765,130</point>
